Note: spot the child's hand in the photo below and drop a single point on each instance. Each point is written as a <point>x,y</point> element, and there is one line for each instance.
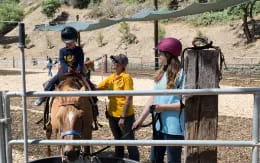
<point>71,69</point>
<point>137,124</point>
<point>121,123</point>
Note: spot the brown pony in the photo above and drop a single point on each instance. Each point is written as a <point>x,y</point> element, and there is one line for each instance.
<point>71,118</point>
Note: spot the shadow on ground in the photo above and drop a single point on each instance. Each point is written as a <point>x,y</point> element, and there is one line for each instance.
<point>9,40</point>
<point>16,72</point>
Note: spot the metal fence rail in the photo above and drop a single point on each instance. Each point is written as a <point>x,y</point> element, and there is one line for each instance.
<point>142,142</point>
<point>188,92</point>
<point>254,143</point>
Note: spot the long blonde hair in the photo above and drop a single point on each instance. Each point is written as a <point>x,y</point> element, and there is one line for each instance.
<point>173,68</point>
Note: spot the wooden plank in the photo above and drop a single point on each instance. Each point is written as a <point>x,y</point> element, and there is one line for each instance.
<point>208,69</point>
<point>201,112</point>
<point>189,60</point>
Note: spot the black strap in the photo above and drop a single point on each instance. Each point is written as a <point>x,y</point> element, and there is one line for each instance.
<point>181,109</point>
<point>155,118</point>
<point>101,150</point>
<point>181,103</point>
<point>46,116</point>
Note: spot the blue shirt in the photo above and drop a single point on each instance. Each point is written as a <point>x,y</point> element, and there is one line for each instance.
<point>71,58</point>
<point>172,120</point>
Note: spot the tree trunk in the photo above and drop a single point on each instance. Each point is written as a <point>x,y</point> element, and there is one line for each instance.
<point>252,20</point>
<point>245,24</point>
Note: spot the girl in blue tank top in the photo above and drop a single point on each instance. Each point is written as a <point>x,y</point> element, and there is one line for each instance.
<point>168,109</point>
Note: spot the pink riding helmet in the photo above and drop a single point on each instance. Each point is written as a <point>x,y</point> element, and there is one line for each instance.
<point>171,45</point>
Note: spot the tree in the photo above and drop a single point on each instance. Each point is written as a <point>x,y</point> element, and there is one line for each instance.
<point>9,11</point>
<point>248,12</point>
<point>49,7</point>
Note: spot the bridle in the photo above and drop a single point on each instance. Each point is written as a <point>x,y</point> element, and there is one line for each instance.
<point>70,132</point>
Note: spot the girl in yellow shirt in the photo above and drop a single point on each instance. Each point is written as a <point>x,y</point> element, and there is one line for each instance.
<point>120,110</point>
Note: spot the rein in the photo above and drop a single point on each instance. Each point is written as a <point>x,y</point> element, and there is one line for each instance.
<point>125,135</point>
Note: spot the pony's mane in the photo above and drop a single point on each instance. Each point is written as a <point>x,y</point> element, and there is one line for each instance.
<point>72,81</point>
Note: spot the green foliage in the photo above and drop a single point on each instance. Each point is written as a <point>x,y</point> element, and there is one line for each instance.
<point>238,10</point>
<point>27,40</point>
<point>17,1</point>
<point>229,14</point>
<point>95,1</point>
<point>126,36</point>
<point>100,39</point>
<point>161,32</point>
<point>134,1</point>
<point>208,18</point>
<point>9,11</point>
<point>49,7</point>
<point>86,3</point>
<point>124,28</point>
<point>257,7</point>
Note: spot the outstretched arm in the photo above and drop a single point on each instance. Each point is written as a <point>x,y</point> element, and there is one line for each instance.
<point>164,107</point>
<point>138,123</point>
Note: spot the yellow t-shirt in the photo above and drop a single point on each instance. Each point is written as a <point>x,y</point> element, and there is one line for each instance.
<point>116,103</point>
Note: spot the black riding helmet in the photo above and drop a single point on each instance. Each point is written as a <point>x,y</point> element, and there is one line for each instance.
<point>69,35</point>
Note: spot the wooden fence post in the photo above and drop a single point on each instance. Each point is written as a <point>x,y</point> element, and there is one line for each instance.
<point>13,62</point>
<point>105,63</point>
<point>201,112</point>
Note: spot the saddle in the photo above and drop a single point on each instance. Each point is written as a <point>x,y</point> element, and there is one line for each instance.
<point>73,100</point>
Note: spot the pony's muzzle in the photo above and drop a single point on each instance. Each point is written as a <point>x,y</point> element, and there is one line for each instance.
<point>71,153</point>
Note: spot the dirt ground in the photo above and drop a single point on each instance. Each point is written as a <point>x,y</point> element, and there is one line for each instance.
<point>229,128</point>
<point>235,112</point>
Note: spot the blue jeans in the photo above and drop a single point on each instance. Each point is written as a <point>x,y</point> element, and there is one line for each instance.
<point>49,71</point>
<point>55,80</point>
<point>173,152</point>
<point>125,133</point>
<point>51,83</point>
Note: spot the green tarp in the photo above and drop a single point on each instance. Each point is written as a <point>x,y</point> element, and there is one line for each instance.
<point>195,8</point>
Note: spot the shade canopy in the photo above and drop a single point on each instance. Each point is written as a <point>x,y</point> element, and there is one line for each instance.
<point>194,8</point>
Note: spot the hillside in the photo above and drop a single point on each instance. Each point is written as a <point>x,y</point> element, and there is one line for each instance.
<point>227,36</point>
